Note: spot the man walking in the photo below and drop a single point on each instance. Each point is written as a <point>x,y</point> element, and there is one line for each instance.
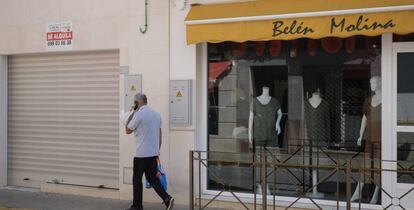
<point>145,123</point>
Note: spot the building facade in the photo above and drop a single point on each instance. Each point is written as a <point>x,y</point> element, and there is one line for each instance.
<point>70,140</point>
<point>68,69</point>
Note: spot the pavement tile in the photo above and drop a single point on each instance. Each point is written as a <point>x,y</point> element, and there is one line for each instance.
<point>35,200</point>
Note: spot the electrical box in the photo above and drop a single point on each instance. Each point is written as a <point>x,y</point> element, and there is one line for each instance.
<point>133,85</point>
<point>180,102</point>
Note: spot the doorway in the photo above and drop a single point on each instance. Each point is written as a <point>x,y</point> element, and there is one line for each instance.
<point>403,123</point>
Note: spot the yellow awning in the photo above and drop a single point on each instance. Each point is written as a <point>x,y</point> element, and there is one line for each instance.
<point>263,20</point>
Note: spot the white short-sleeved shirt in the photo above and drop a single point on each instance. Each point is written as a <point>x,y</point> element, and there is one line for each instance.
<point>146,124</point>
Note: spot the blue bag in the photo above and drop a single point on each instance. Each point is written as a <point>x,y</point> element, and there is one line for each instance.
<point>160,175</point>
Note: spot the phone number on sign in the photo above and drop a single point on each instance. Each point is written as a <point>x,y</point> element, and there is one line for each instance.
<point>59,43</point>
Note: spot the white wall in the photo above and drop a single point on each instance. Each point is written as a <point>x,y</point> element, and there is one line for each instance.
<point>182,67</point>
<point>159,55</point>
<point>3,121</point>
<point>114,24</point>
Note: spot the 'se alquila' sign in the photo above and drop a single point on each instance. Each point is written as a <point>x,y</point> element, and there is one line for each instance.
<point>337,25</point>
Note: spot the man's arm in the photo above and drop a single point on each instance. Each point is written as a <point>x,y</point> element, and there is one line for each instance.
<point>160,137</point>
<point>127,130</point>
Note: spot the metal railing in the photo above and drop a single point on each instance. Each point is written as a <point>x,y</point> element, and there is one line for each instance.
<point>276,174</point>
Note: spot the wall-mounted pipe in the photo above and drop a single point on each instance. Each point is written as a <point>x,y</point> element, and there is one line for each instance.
<point>145,28</point>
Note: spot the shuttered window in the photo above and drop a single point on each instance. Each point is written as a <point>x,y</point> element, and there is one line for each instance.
<point>63,123</point>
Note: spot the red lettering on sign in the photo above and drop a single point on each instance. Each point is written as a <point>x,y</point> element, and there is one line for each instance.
<point>54,36</point>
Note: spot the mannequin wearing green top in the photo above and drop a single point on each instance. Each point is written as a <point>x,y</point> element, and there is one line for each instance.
<point>317,123</point>
<point>264,126</point>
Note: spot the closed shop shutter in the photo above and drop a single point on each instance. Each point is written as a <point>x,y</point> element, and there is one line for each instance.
<point>63,123</point>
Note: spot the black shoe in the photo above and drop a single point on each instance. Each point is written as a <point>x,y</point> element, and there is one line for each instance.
<point>134,208</point>
<point>169,203</point>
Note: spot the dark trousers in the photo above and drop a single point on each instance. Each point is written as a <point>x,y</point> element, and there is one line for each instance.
<point>149,167</point>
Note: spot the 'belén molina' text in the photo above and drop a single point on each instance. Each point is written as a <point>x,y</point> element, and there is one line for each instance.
<point>362,24</point>
<point>337,25</point>
<point>279,28</point>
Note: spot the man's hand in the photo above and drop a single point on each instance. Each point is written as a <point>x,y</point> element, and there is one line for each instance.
<point>160,137</point>
<point>127,130</point>
<point>132,109</point>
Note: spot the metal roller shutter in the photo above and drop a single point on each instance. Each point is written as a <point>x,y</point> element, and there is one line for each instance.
<point>63,123</point>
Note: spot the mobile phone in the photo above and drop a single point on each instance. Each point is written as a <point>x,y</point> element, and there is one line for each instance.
<point>136,105</point>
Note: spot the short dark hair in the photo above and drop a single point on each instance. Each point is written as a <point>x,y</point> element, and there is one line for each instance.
<point>141,97</point>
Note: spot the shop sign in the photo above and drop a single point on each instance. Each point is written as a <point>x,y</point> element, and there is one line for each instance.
<point>336,25</point>
<point>59,36</point>
<point>342,26</point>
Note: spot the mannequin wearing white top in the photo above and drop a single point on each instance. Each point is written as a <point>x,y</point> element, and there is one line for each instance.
<point>315,101</point>
<point>264,99</point>
<point>375,84</point>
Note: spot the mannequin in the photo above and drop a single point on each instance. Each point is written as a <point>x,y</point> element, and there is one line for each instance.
<point>318,130</point>
<point>265,99</point>
<point>375,84</point>
<point>315,100</point>
<point>372,120</point>
<point>263,129</point>
<point>317,119</point>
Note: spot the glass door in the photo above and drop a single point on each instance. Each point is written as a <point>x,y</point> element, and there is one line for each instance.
<point>403,141</point>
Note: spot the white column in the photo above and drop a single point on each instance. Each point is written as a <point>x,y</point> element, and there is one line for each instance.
<point>3,121</point>
<point>201,111</point>
<point>388,123</point>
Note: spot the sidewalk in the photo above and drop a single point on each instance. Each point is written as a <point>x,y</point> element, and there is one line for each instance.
<point>23,200</point>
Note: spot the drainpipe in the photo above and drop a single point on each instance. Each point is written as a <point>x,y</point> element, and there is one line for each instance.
<point>3,120</point>
<point>145,28</point>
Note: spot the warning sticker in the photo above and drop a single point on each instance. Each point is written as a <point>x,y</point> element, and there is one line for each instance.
<point>179,94</point>
<point>133,88</point>
<point>59,36</point>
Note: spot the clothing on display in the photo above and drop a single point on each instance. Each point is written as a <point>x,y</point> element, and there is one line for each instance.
<point>318,128</point>
<point>305,109</point>
<point>264,130</point>
<point>373,129</point>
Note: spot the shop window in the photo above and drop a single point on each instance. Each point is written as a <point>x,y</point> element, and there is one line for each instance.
<point>405,116</point>
<point>281,97</point>
<point>405,157</point>
<point>405,88</point>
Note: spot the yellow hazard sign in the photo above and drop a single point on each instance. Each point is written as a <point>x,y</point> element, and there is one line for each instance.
<point>133,88</point>
<point>179,94</point>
